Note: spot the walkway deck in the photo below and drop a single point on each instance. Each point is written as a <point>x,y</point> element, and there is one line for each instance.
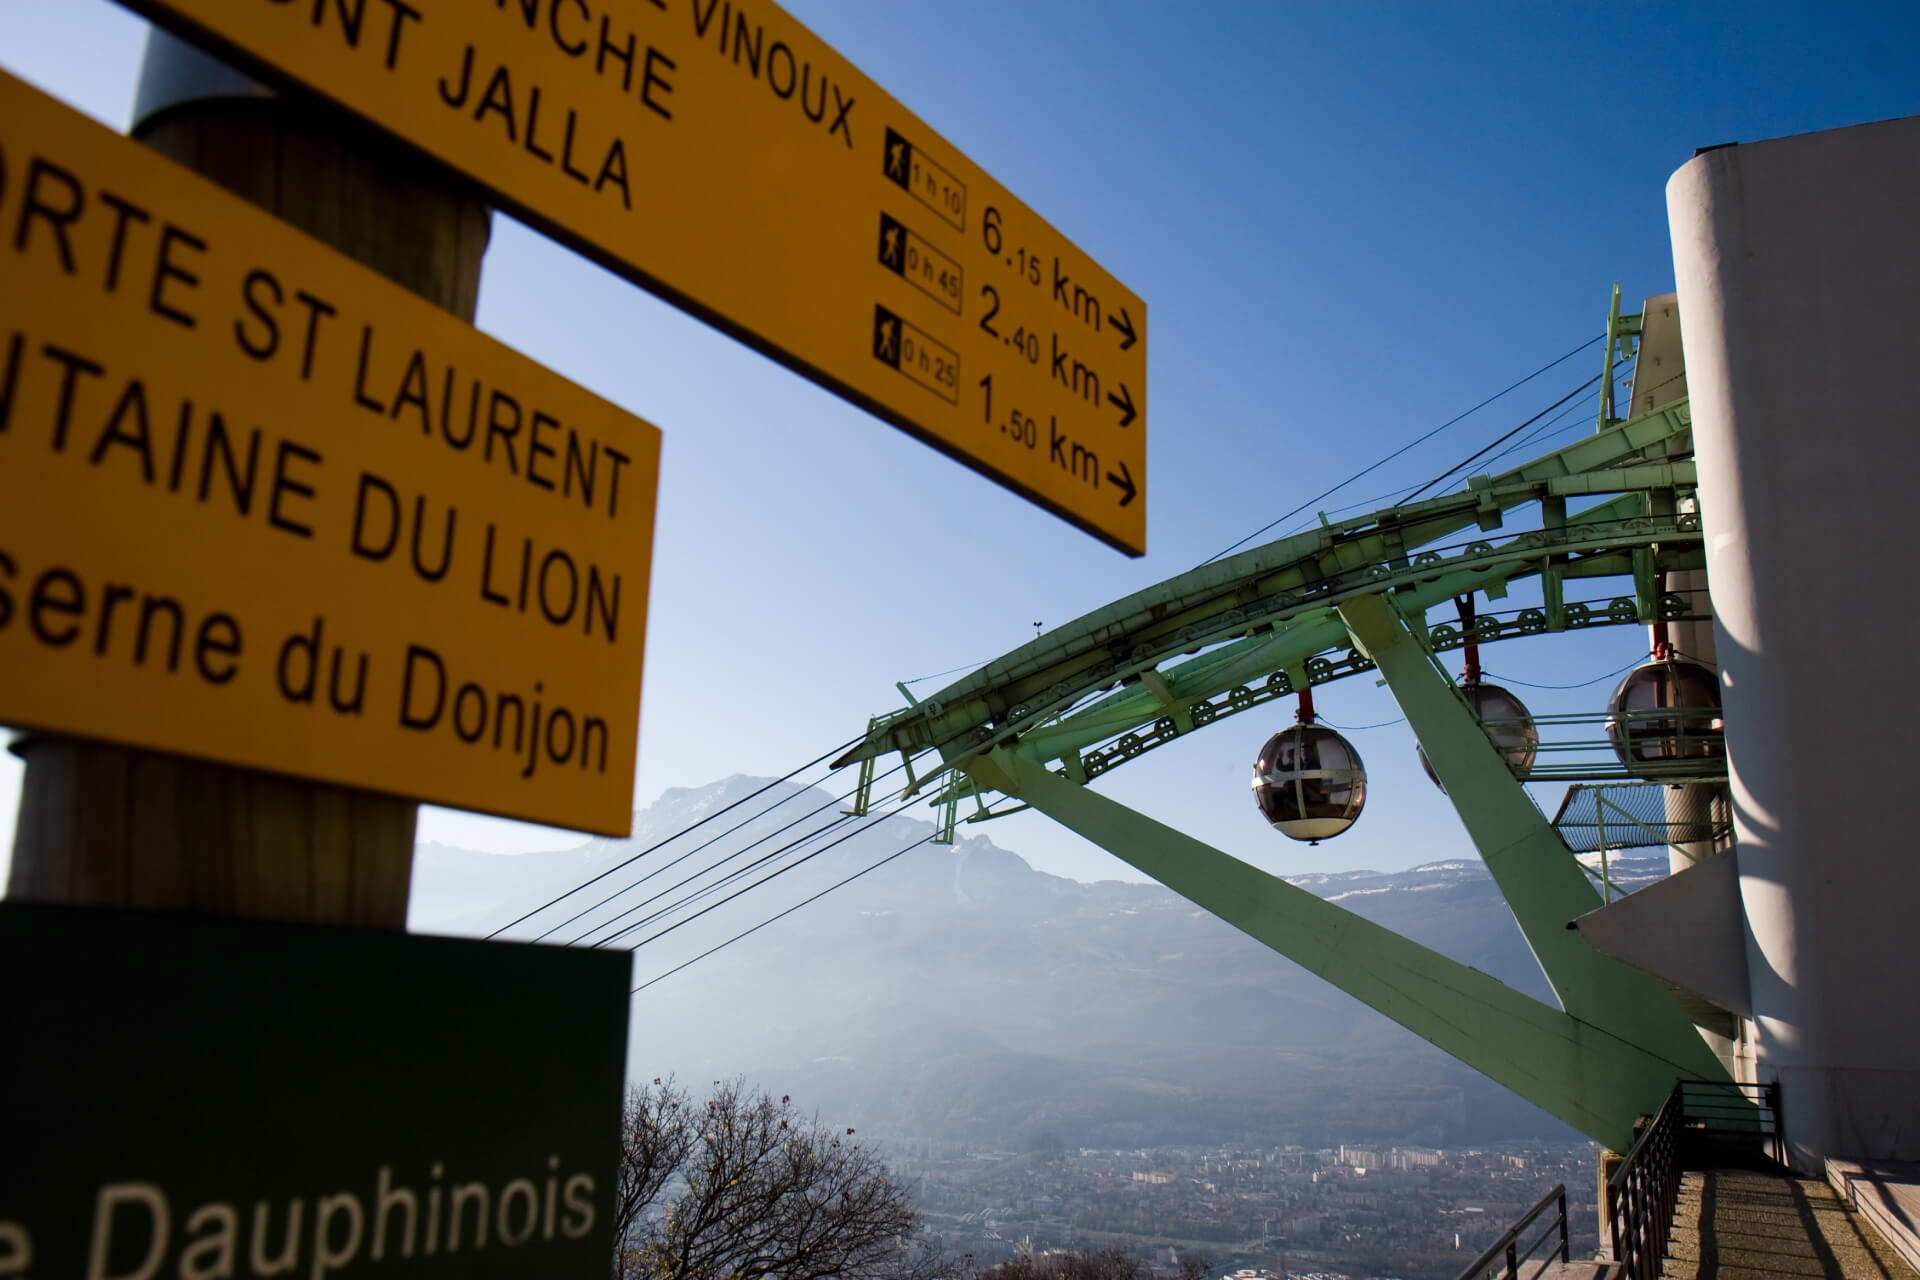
<point>1734,1225</point>
<point>1573,1271</point>
<point>1887,1194</point>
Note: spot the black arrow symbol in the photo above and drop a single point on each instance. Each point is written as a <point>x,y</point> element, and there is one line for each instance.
<point>1124,402</point>
<point>1124,323</point>
<point>1123,482</point>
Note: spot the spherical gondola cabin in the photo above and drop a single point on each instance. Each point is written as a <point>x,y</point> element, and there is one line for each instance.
<point>1309,782</point>
<point>1664,719</point>
<point>1507,723</point>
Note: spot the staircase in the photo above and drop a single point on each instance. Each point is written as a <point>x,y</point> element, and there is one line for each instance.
<point>1738,1225</point>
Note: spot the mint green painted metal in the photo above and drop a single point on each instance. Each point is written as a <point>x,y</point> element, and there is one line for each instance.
<point>1583,736</point>
<point>1537,874</point>
<point>1332,601</point>
<point>863,789</point>
<point>948,807</point>
<point>1589,1077</point>
<point>1622,335</point>
<point>1272,606</point>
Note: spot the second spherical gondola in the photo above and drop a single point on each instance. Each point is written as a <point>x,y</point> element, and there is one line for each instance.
<point>1309,782</point>
<point>1507,723</point>
<point>1664,718</point>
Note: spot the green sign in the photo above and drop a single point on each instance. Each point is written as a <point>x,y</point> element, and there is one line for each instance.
<point>199,1098</point>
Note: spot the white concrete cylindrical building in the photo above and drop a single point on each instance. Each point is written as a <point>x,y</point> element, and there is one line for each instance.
<point>1798,271</point>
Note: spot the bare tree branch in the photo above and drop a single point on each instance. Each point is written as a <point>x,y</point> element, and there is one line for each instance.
<point>653,1147</point>
<point>746,1187</point>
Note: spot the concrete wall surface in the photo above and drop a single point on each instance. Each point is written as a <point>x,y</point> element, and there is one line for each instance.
<point>1798,271</point>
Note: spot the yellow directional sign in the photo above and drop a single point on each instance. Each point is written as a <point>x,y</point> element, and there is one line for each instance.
<point>720,154</point>
<point>260,505</point>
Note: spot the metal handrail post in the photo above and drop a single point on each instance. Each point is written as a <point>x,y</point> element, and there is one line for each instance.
<point>1641,1196</point>
<point>1772,1092</point>
<point>1600,834</point>
<point>1507,1247</point>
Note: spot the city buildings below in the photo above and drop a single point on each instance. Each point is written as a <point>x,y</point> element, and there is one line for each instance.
<point>1265,1213</point>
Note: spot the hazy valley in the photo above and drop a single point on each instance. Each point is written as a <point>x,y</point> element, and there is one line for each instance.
<point>958,995</point>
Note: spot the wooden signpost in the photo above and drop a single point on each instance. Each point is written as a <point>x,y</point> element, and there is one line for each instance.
<point>227,535</point>
<point>308,549</point>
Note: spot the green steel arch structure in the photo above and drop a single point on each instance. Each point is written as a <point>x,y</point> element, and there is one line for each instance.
<point>1032,728</point>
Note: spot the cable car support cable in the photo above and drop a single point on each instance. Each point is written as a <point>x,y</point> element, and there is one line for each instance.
<point>1034,727</point>
<point>659,844</point>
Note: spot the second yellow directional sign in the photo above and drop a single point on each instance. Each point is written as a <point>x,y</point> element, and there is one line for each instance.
<point>260,505</point>
<point>720,154</point>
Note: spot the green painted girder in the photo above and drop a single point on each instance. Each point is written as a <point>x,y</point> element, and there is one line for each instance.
<point>1542,883</point>
<point>1362,588</point>
<point>1275,586</point>
<point>1592,1078</point>
<point>1236,662</point>
<point>1291,643</point>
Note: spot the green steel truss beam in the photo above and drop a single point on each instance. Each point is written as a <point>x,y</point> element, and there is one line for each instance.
<point>1228,678</point>
<point>1538,876</point>
<point>1274,607</point>
<point>1592,1078</point>
<point>1332,601</point>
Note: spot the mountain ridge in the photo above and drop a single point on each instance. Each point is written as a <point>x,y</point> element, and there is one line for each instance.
<point>959,994</point>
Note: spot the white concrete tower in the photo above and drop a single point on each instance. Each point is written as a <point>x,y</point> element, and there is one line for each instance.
<point>1798,270</point>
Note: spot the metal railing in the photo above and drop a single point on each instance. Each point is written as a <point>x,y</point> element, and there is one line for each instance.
<point>1726,1125</point>
<point>1684,813</point>
<point>1642,1192</point>
<point>1670,743</point>
<point>1703,1124</point>
<point>1505,1252</point>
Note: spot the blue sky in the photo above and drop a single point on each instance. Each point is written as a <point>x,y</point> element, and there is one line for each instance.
<point>1349,222</point>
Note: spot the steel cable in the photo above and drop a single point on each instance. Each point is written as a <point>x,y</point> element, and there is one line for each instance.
<point>520,919</point>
